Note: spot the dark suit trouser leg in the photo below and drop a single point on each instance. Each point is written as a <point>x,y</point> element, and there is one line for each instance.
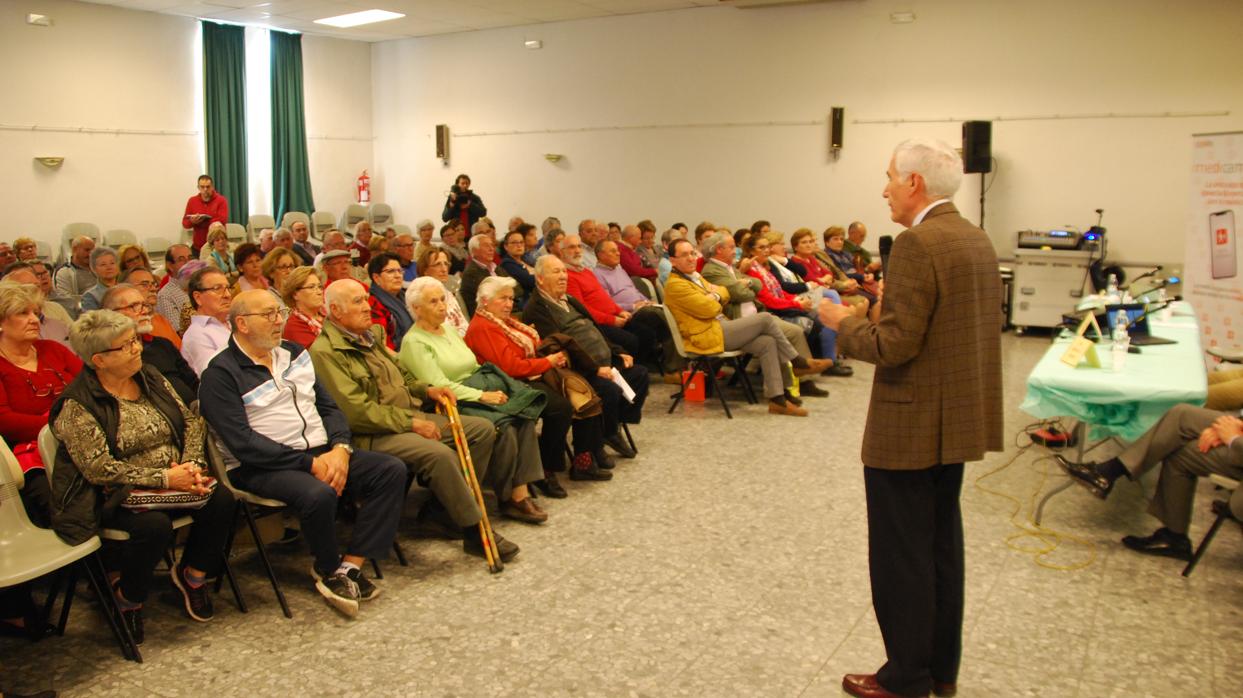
<point>621,337</point>
<point>916,562</point>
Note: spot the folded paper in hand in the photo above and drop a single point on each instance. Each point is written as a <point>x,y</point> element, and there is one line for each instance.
<point>627,391</point>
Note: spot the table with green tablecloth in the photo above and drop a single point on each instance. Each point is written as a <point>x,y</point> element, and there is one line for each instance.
<point>1124,403</point>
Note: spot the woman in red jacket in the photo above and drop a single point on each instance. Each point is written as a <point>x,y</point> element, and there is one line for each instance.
<point>798,309</point>
<point>495,336</point>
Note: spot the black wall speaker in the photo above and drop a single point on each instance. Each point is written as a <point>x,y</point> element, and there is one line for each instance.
<point>836,121</point>
<point>977,146</point>
<point>442,141</point>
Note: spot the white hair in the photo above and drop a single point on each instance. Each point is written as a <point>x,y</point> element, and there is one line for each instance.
<point>542,262</point>
<point>479,226</point>
<point>493,285</point>
<point>935,161</point>
<point>418,288</point>
<point>476,241</point>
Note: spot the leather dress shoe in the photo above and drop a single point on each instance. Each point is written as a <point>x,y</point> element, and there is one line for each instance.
<point>472,544</point>
<point>944,689</point>
<point>1162,542</point>
<point>813,367</point>
<point>525,511</point>
<point>839,371</point>
<point>550,486</point>
<point>593,473</point>
<point>866,686</point>
<point>618,443</point>
<point>789,409</point>
<point>810,389</point>
<point>1087,476</point>
<point>602,460</point>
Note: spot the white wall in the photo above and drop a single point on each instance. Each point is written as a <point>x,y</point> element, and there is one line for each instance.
<point>104,67</point>
<point>962,59</point>
<point>96,67</point>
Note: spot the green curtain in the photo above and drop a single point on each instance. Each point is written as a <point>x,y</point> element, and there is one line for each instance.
<point>224,80</point>
<point>291,176</point>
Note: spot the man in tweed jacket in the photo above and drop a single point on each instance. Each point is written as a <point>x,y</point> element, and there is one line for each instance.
<point>936,402</point>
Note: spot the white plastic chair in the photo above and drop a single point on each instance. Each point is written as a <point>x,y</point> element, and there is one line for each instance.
<point>117,237</point>
<point>28,552</point>
<point>704,364</point>
<point>351,216</point>
<point>44,251</point>
<point>72,231</point>
<point>402,229</point>
<point>322,222</point>
<point>380,214</point>
<point>291,217</point>
<point>236,232</point>
<point>257,223</point>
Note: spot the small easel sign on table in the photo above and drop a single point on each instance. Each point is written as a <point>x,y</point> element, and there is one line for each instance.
<point>1081,348</point>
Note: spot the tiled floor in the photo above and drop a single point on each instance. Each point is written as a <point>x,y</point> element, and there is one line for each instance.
<point>728,559</point>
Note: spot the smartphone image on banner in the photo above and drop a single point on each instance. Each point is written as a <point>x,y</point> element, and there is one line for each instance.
<point>1222,245</point>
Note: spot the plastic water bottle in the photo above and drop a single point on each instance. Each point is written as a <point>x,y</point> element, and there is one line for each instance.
<point>1121,341</point>
<point>1111,290</point>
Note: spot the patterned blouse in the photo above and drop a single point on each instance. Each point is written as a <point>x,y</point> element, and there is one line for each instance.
<point>144,442</point>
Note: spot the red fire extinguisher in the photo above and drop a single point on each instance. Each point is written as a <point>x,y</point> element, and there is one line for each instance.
<point>364,188</point>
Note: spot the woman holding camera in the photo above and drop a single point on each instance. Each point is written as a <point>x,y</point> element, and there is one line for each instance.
<point>463,205</point>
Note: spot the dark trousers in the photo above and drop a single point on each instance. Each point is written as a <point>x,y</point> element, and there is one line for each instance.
<point>915,556</point>
<point>616,409</point>
<point>555,422</point>
<point>37,498</point>
<point>622,337</point>
<point>649,327</point>
<point>151,532</point>
<point>376,481</point>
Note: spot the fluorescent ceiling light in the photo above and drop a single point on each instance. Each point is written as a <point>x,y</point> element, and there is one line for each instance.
<point>355,19</point>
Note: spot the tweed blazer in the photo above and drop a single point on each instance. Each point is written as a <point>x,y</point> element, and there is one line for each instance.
<point>696,311</point>
<point>936,396</point>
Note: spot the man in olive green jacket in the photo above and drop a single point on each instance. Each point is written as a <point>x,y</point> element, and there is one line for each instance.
<point>382,404</point>
<point>718,250</point>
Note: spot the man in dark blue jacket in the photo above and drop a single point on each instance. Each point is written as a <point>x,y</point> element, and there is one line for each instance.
<point>261,397</point>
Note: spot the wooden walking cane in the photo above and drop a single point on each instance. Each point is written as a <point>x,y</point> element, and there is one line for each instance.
<point>490,553</point>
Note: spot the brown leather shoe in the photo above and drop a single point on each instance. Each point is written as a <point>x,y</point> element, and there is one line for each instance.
<point>788,409</point>
<point>814,367</point>
<point>524,511</point>
<point>866,686</point>
<point>942,689</point>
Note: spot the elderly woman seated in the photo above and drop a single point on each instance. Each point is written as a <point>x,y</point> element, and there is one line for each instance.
<point>434,262</point>
<point>783,304</point>
<point>249,262</point>
<point>123,430</point>
<point>844,264</point>
<point>434,353</point>
<point>133,257</point>
<point>513,259</point>
<point>216,252</point>
<point>106,268</point>
<point>496,337</point>
<point>278,263</point>
<point>304,296</point>
<point>387,309</point>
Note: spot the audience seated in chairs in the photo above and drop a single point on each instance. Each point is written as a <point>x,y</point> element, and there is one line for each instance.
<point>451,236</point>
<point>637,338</point>
<point>402,247</point>
<point>51,328</point>
<point>613,288</point>
<point>304,297</point>
<point>157,351</point>
<point>294,446</point>
<point>433,352</point>
<point>554,310</point>
<point>497,337</point>
<point>121,426</point>
<point>388,307</point>
<point>856,233</point>
<point>628,252</point>
<point>75,277</point>
<point>741,289</point>
<point>43,280</point>
<point>786,305</point>
<point>697,308</point>
<point>302,245</point>
<point>647,250</point>
<point>208,332</point>
<point>132,257</point>
<point>382,404</point>
<point>172,302</point>
<point>175,257</point>
<point>480,266</point>
<point>435,263</point>
<point>33,374</point>
<point>104,266</point>
<point>360,247</point>
<point>844,263</point>
<point>1188,442</point>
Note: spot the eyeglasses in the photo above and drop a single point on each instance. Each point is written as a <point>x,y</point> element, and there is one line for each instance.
<point>50,390</point>
<point>143,284</point>
<point>284,267</point>
<point>441,263</point>
<point>214,289</point>
<point>131,344</point>
<point>272,315</point>
<point>394,270</point>
<point>403,244</point>
<point>134,307</point>
<point>311,287</point>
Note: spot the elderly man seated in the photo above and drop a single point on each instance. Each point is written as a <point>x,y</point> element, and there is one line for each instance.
<point>132,302</point>
<point>628,254</point>
<point>551,310</point>
<point>49,327</point>
<point>262,397</point>
<point>208,333</point>
<point>638,330</point>
<point>481,265</point>
<point>718,249</point>
<point>697,307</point>
<point>302,244</point>
<point>1188,442</point>
<point>382,404</point>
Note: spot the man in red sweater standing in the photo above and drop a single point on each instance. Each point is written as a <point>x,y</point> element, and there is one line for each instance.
<point>204,208</point>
